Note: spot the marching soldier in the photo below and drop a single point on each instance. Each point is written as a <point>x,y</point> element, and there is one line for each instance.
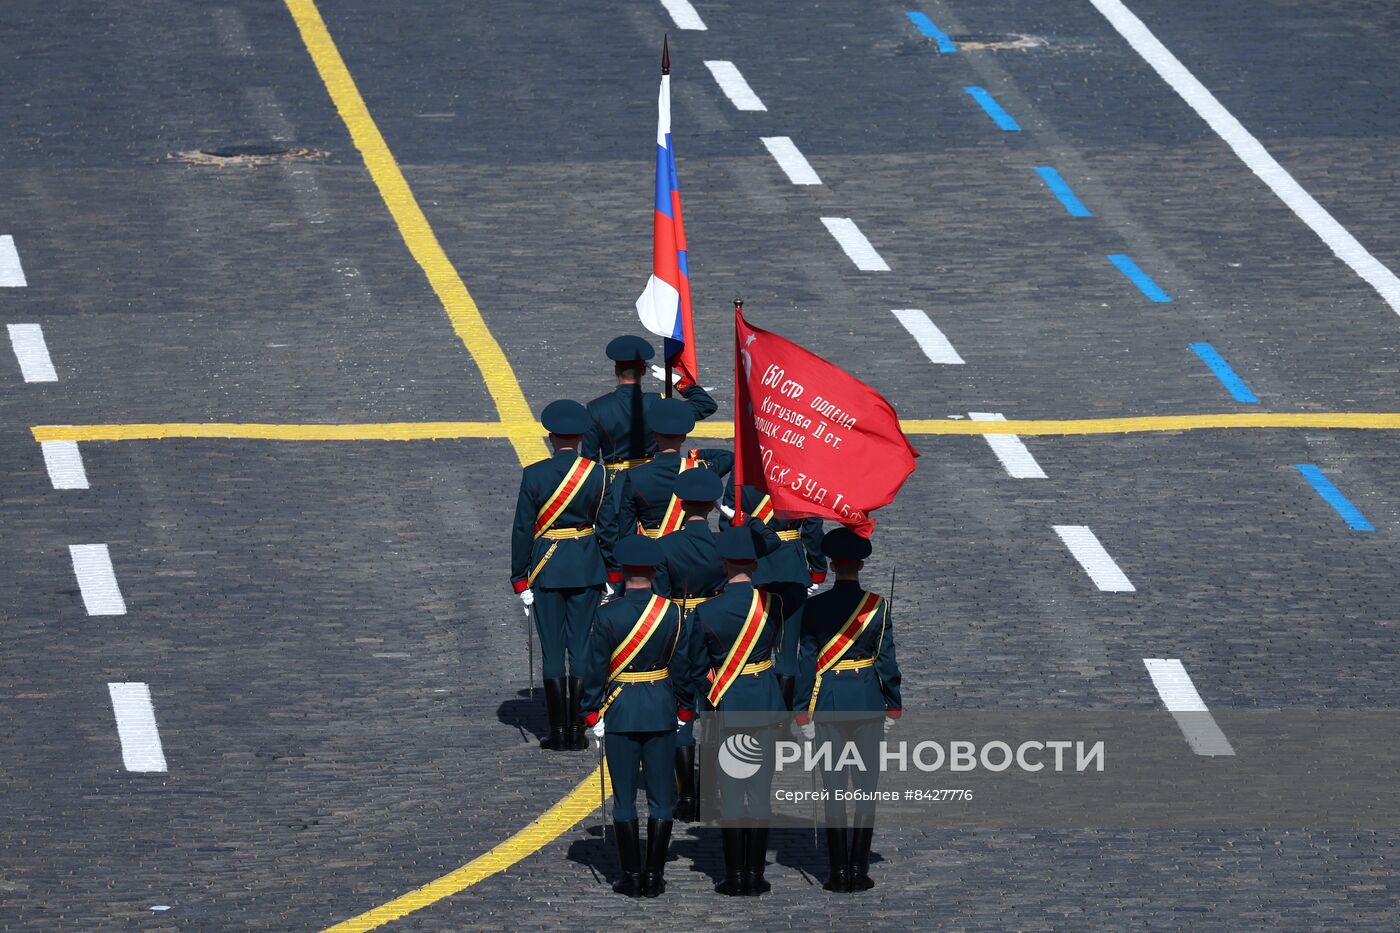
<point>792,569</point>
<point>556,565</point>
<point>691,573</point>
<point>642,499</point>
<point>619,436</point>
<point>739,631</point>
<point>640,685</point>
<point>848,691</point>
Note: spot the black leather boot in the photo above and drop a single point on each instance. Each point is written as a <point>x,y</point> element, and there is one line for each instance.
<point>838,877</point>
<point>685,809</point>
<point>554,707</point>
<point>733,845</point>
<point>860,858</point>
<point>658,844</point>
<point>755,859</point>
<point>576,739</point>
<point>789,687</point>
<point>629,853</point>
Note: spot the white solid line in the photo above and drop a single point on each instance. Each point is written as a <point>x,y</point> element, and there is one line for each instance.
<point>32,353</point>
<point>734,86</point>
<point>92,565</point>
<point>1180,697</point>
<point>929,338</point>
<point>791,160</point>
<point>11,272</point>
<point>1009,450</point>
<point>65,464</point>
<point>855,244</point>
<point>136,727</point>
<point>1251,152</point>
<point>684,14</point>
<point>1085,546</point>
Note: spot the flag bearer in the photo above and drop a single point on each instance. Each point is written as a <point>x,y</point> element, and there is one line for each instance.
<point>740,630</point>
<point>618,435</point>
<point>641,682</point>
<point>848,691</point>
<point>556,565</point>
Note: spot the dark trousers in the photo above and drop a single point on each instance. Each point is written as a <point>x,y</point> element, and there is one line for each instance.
<point>794,597</point>
<point>562,618</point>
<point>644,755</point>
<point>866,735</point>
<point>746,799</point>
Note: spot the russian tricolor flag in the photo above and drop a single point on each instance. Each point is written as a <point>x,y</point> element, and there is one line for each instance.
<point>664,305</point>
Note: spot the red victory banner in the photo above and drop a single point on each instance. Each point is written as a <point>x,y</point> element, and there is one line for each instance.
<point>822,443</point>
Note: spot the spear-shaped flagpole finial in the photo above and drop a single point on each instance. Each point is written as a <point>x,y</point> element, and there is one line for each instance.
<point>665,54</point>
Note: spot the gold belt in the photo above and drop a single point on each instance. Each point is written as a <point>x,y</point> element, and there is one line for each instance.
<point>690,602</point>
<point>641,677</point>
<point>756,668</point>
<point>649,532</point>
<point>617,466</point>
<point>853,665</point>
<point>790,535</point>
<point>566,534</point>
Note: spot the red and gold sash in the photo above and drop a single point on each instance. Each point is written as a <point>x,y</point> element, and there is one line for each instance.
<point>742,648</point>
<point>834,650</point>
<point>865,612</point>
<point>671,521</point>
<point>641,633</point>
<point>559,500</point>
<point>764,510</point>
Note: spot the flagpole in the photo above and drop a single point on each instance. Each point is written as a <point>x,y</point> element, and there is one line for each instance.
<point>739,397</point>
<point>665,70</point>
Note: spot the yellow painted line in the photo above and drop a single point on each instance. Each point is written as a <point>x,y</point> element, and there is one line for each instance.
<point>519,432</point>
<point>417,234</point>
<point>555,821</point>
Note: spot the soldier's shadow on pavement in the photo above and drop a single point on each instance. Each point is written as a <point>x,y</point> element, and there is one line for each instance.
<point>597,854</point>
<point>525,713</point>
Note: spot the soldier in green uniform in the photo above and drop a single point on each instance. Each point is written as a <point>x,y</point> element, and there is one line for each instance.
<point>619,436</point>
<point>792,569</point>
<point>556,566</point>
<point>691,572</point>
<point>740,631</point>
<point>848,691</point>
<point>641,683</point>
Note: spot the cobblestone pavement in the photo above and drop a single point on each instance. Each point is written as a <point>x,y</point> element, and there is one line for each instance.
<point>335,662</point>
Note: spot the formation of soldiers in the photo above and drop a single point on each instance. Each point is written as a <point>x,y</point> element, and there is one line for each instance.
<point>648,616</point>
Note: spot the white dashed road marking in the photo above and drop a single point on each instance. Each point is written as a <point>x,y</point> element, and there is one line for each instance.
<point>684,14</point>
<point>136,727</point>
<point>929,338</point>
<point>32,353</point>
<point>1179,696</point>
<point>734,86</point>
<point>92,565</point>
<point>855,244</point>
<point>791,160</point>
<point>1251,151</point>
<point>65,464</point>
<point>11,272</point>
<point>1085,547</point>
<point>1009,449</point>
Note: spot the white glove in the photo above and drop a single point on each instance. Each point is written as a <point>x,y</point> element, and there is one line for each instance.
<point>527,599</point>
<point>697,733</point>
<point>728,512</point>
<point>803,731</point>
<point>680,724</point>
<point>812,590</point>
<point>596,731</point>
<point>608,591</point>
<point>889,724</point>
<point>659,373</point>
